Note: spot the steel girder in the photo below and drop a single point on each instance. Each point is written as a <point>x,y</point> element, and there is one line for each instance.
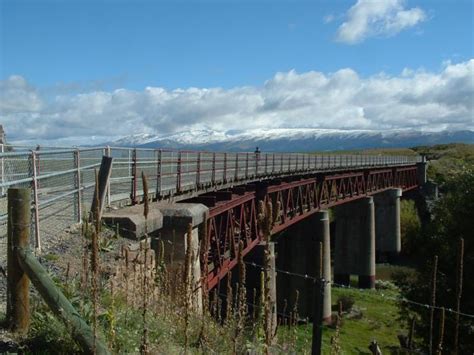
<point>234,217</point>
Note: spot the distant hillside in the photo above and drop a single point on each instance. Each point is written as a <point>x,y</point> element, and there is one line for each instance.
<point>297,140</point>
<point>447,159</point>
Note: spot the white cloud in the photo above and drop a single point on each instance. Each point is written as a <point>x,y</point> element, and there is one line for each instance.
<point>369,18</point>
<point>341,100</point>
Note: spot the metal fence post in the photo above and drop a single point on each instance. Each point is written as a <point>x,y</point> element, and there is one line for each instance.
<point>34,186</point>
<point>158,174</point>
<point>77,184</point>
<point>256,158</point>
<point>133,194</point>
<point>198,170</point>
<point>178,172</point>
<point>273,164</point>
<point>236,172</point>
<point>2,167</point>
<point>107,154</point>
<point>266,163</point>
<point>247,166</point>
<point>224,177</point>
<point>213,173</point>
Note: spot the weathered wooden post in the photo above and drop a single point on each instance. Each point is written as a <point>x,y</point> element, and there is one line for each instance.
<point>103,181</point>
<point>19,218</point>
<point>318,317</point>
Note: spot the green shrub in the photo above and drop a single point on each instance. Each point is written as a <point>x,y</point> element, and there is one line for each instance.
<point>410,226</point>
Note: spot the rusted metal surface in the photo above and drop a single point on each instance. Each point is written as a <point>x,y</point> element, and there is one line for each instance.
<point>233,213</point>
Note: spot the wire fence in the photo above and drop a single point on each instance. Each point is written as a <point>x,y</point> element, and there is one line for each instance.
<point>370,292</point>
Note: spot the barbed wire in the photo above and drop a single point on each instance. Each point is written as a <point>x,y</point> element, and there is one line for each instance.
<point>281,314</point>
<point>398,299</point>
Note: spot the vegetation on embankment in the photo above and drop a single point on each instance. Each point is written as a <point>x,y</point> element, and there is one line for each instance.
<point>373,316</point>
<point>452,220</point>
<point>447,160</point>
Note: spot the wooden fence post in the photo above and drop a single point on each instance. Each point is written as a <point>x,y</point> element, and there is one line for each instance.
<point>19,218</point>
<point>318,306</point>
<point>104,177</point>
<point>318,317</point>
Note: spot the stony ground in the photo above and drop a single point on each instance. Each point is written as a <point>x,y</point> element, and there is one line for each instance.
<point>62,255</point>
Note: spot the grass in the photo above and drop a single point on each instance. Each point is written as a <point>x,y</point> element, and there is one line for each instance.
<point>376,317</point>
<point>379,321</point>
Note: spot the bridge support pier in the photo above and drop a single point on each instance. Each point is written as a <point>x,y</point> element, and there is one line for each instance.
<point>298,253</point>
<point>422,169</point>
<point>355,243</point>
<point>387,222</point>
<point>322,219</point>
<point>176,220</point>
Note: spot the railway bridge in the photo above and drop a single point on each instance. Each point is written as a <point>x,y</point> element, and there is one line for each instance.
<point>222,204</point>
<point>219,195</point>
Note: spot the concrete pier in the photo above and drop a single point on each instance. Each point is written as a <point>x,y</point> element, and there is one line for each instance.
<point>355,243</point>
<point>176,220</point>
<point>387,222</point>
<point>422,169</point>
<point>323,235</point>
<point>367,245</point>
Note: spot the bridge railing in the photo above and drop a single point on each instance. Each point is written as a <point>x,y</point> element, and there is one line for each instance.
<point>62,179</point>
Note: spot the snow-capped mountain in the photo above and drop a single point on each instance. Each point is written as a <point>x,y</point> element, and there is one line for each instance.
<point>293,139</point>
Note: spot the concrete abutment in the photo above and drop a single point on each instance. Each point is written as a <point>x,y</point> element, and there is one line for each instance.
<point>176,220</point>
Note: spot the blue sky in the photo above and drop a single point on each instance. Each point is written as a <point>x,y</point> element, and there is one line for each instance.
<point>59,50</point>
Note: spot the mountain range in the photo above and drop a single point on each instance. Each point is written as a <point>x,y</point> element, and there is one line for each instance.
<point>293,139</point>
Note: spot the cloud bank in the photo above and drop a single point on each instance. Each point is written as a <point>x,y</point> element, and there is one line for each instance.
<point>370,18</point>
<point>414,99</point>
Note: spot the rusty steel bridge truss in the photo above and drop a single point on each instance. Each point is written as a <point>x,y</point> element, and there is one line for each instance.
<point>233,213</point>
